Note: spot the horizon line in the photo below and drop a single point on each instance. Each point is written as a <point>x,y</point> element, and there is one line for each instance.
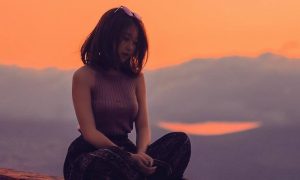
<point>167,66</point>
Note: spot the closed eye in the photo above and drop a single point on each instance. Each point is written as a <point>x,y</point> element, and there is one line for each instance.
<point>126,38</point>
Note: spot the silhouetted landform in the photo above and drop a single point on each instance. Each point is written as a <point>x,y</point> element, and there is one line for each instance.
<point>37,105</point>
<point>235,88</point>
<point>10,174</point>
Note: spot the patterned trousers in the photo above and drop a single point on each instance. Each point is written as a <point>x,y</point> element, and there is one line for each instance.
<point>171,154</point>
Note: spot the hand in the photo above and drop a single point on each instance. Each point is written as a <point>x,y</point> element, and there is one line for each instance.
<point>144,162</point>
<point>146,159</point>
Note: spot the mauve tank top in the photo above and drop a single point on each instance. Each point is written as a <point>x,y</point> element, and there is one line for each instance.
<point>114,103</point>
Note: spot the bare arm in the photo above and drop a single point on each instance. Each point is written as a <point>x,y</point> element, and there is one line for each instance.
<point>142,127</point>
<point>81,94</point>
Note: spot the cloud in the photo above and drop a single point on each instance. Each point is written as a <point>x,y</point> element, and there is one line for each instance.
<point>29,94</point>
<point>235,88</point>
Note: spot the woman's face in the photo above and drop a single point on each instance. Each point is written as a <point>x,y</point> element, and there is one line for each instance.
<point>127,44</point>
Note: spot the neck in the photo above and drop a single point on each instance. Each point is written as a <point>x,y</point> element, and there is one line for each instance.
<point>114,71</point>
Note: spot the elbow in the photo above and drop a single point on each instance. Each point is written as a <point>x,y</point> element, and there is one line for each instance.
<point>88,135</point>
<point>85,136</point>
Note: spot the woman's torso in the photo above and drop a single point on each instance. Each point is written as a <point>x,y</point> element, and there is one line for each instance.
<point>114,102</point>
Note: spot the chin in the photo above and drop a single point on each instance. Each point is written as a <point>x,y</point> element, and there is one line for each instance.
<point>125,60</point>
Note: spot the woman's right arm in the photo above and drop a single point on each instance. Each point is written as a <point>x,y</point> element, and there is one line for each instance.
<point>81,94</point>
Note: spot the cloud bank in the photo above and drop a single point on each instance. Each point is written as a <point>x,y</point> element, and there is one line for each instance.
<point>234,88</point>
<point>263,89</point>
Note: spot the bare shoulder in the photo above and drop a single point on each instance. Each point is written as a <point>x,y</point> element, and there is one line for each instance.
<point>140,81</point>
<point>84,74</point>
<point>140,76</point>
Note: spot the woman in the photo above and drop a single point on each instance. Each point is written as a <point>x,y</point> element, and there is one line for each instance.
<point>109,96</point>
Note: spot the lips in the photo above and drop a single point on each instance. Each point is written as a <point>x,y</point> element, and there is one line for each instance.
<point>125,55</point>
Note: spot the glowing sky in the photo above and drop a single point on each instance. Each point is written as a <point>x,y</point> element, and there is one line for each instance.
<point>38,34</point>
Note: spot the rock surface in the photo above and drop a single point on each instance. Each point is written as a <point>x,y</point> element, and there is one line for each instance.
<point>10,174</point>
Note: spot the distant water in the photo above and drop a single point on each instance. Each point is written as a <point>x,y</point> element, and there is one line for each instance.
<point>210,128</point>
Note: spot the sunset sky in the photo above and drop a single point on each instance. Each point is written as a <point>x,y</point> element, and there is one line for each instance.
<point>49,33</point>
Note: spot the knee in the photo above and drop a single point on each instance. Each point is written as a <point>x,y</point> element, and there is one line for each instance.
<point>181,137</point>
<point>182,146</point>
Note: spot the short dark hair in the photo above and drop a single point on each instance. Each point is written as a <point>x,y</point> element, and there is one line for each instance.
<point>99,49</point>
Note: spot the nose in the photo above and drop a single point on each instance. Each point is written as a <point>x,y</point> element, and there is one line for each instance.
<point>131,46</point>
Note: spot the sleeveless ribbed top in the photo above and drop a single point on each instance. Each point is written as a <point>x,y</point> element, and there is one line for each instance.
<point>114,103</point>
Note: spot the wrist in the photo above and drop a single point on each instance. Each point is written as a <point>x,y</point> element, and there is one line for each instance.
<point>142,150</point>
<point>131,154</point>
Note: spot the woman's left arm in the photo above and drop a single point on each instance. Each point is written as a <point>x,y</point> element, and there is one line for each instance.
<point>143,136</point>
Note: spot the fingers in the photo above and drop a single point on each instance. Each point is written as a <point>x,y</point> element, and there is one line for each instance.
<point>146,169</point>
<point>147,160</point>
<point>149,170</point>
<point>144,164</point>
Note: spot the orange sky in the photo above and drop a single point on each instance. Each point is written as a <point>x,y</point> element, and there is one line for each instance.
<point>45,33</point>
